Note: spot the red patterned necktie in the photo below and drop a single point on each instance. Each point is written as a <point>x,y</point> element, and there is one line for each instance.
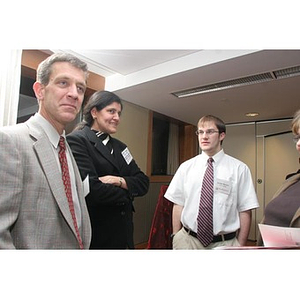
<point>205,215</point>
<point>67,183</point>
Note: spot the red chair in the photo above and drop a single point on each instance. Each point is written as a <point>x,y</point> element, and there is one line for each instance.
<point>161,228</point>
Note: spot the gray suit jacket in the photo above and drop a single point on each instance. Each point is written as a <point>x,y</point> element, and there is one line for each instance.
<point>34,211</point>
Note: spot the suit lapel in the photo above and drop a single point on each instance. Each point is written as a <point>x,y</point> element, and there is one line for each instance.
<point>286,184</point>
<point>48,162</point>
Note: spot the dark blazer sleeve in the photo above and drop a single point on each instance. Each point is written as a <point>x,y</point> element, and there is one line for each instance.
<point>92,161</point>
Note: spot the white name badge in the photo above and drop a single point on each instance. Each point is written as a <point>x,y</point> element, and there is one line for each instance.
<point>127,156</point>
<point>223,186</point>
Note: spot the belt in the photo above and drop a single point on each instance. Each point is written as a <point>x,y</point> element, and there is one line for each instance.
<point>216,238</point>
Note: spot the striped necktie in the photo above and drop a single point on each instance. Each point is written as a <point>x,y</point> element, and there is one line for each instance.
<point>205,215</point>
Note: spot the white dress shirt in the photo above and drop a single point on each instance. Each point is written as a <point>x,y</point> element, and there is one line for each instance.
<point>233,191</point>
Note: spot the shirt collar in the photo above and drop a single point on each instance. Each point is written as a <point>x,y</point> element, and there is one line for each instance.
<point>217,157</point>
<point>49,130</point>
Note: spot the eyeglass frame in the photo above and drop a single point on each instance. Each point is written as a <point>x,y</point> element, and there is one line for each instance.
<point>208,132</point>
<point>296,139</point>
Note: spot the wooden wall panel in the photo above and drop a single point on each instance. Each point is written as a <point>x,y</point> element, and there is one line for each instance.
<point>32,58</point>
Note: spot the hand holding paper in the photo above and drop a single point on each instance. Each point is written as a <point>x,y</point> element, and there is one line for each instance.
<point>275,236</point>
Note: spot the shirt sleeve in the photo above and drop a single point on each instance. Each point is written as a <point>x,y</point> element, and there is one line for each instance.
<point>247,198</point>
<point>175,191</point>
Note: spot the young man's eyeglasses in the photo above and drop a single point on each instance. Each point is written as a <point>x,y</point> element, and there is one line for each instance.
<point>207,132</point>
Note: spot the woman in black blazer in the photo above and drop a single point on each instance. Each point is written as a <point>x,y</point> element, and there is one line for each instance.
<point>114,177</point>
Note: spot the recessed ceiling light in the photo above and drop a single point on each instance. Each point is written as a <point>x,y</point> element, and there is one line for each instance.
<point>252,114</point>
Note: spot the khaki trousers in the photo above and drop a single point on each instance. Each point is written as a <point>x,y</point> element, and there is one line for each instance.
<point>182,240</point>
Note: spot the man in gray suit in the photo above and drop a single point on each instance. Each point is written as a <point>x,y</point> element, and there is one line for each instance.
<point>34,209</point>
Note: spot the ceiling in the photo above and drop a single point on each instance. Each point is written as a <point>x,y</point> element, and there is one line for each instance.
<point>149,77</point>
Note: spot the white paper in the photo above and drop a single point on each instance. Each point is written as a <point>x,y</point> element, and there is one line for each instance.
<point>275,236</point>
<point>86,186</point>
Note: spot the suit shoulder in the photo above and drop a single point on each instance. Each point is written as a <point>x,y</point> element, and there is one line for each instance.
<point>119,143</point>
<point>81,138</point>
<point>77,134</point>
<point>19,131</point>
<point>14,129</point>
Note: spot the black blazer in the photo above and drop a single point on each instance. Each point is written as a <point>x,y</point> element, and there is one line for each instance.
<point>110,207</point>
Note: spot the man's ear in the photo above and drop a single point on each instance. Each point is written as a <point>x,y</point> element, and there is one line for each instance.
<point>38,90</point>
<point>222,136</point>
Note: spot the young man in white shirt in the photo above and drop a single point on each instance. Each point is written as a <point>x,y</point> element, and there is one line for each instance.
<point>233,193</point>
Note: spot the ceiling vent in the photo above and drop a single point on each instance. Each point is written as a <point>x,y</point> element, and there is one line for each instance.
<point>284,73</point>
<point>289,72</point>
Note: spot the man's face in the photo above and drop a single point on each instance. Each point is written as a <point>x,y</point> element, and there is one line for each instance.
<point>210,143</point>
<point>60,100</point>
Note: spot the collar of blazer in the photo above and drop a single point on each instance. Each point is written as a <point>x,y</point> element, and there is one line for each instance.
<point>287,184</point>
<point>101,148</point>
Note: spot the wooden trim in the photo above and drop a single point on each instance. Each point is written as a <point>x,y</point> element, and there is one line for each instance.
<point>96,82</point>
<point>28,72</point>
<point>32,58</point>
<point>190,141</point>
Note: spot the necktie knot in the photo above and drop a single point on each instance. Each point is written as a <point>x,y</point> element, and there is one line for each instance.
<point>62,143</point>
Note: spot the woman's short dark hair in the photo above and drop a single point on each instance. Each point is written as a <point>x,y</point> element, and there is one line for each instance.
<point>99,100</point>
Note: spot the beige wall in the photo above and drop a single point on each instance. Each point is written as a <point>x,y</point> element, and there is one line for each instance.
<point>240,143</point>
<point>133,131</point>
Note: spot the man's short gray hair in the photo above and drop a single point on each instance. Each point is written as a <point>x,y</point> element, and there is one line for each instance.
<point>45,67</point>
